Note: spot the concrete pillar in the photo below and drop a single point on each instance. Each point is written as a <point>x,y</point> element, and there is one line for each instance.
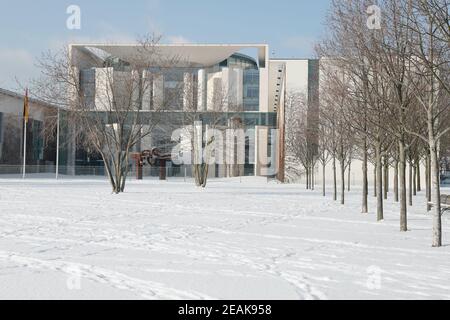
<point>215,92</point>
<point>158,92</point>
<point>261,150</point>
<point>136,89</point>
<point>225,89</point>
<point>201,90</point>
<point>147,141</point>
<point>235,89</point>
<point>188,92</point>
<point>264,83</point>
<point>147,85</point>
<point>103,88</point>
<point>235,147</point>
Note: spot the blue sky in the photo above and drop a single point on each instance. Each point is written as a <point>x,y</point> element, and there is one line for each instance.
<point>28,28</point>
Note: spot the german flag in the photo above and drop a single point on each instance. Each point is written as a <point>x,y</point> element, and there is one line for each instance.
<point>26,107</point>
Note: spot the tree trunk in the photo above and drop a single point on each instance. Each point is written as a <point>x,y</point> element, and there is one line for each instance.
<point>396,181</point>
<point>349,175</point>
<point>428,182</point>
<point>323,179</point>
<point>197,175</point>
<point>379,184</point>
<point>109,173</point>
<point>334,179</point>
<point>312,178</point>
<point>419,186</point>
<point>118,177</point>
<point>410,183</point>
<point>205,175</point>
<point>386,177</point>
<point>414,178</point>
<point>307,177</point>
<point>342,163</point>
<point>427,173</point>
<point>365,192</point>
<point>125,169</point>
<point>375,180</point>
<point>403,207</point>
<point>436,195</point>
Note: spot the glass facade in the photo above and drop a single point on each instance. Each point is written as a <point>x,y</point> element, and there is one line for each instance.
<point>251,90</point>
<point>87,85</point>
<point>250,83</point>
<point>243,82</point>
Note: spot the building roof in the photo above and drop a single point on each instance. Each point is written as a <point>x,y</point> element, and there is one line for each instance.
<point>192,54</point>
<point>22,96</point>
<point>291,59</point>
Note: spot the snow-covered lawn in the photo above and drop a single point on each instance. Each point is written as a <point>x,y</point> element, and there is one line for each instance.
<point>169,240</point>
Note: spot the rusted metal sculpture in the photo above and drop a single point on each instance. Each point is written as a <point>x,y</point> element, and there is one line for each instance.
<point>153,158</point>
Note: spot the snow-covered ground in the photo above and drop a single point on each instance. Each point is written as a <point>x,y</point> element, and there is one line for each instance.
<point>73,239</point>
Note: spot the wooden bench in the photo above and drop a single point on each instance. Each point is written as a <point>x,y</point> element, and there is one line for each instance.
<point>445,203</point>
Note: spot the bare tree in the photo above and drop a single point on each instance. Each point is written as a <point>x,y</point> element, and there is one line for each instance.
<point>212,133</point>
<point>428,23</point>
<point>349,47</point>
<point>324,155</point>
<point>114,119</point>
<point>296,133</point>
<point>400,73</point>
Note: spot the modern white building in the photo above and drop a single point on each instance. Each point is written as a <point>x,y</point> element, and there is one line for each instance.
<point>252,85</point>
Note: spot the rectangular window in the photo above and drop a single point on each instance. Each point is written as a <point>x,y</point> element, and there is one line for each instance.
<point>87,84</point>
<point>252,93</point>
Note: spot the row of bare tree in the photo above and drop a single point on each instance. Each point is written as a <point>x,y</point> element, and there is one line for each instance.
<point>384,100</point>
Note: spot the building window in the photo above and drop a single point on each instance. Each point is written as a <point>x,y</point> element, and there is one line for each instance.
<point>252,93</point>
<point>87,84</point>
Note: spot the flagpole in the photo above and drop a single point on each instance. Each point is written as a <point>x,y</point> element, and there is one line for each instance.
<point>24,148</point>
<point>25,122</point>
<point>57,147</point>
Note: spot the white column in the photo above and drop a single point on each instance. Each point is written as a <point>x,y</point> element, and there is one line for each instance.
<point>261,159</point>
<point>146,90</point>
<point>201,90</point>
<point>264,90</point>
<point>226,90</point>
<point>236,88</point>
<point>147,141</point>
<point>264,83</point>
<point>103,88</point>
<point>188,92</point>
<point>136,88</point>
<point>240,87</point>
<point>158,92</point>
